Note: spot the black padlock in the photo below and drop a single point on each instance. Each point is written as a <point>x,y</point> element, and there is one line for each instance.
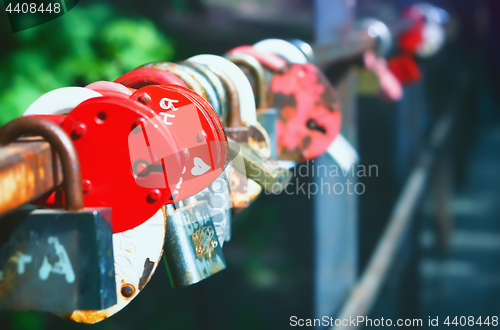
<point>56,260</point>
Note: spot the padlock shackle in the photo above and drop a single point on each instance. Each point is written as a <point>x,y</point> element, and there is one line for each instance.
<point>177,70</point>
<point>233,118</point>
<point>216,83</point>
<point>257,71</point>
<point>145,76</point>
<point>61,142</point>
<point>270,61</point>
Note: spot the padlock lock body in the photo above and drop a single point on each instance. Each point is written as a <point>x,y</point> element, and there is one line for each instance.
<point>192,249</point>
<point>263,170</point>
<point>56,260</point>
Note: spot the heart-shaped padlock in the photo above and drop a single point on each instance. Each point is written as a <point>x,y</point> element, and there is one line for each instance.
<point>104,128</point>
<point>136,251</point>
<point>309,111</point>
<point>198,131</point>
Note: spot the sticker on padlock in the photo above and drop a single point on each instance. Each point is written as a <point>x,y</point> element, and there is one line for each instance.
<point>192,249</point>
<point>49,257</point>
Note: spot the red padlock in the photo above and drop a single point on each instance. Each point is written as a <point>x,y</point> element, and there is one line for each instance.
<point>405,69</point>
<point>411,40</point>
<point>309,110</point>
<point>111,134</point>
<point>197,129</point>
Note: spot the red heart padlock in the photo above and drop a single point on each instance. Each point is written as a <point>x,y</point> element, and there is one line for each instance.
<point>197,129</point>
<point>111,136</point>
<point>310,117</point>
<point>309,109</point>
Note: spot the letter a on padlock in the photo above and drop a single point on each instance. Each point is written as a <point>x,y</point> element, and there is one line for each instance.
<point>56,260</point>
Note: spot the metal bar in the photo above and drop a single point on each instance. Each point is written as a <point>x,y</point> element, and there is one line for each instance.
<point>352,45</point>
<point>28,169</point>
<point>365,293</point>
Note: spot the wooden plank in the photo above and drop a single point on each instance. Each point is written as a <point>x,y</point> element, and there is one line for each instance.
<point>28,169</point>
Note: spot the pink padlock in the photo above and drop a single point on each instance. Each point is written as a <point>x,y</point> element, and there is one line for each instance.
<point>390,87</point>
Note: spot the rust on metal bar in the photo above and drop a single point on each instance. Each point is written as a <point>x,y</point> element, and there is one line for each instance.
<point>61,143</point>
<point>28,169</point>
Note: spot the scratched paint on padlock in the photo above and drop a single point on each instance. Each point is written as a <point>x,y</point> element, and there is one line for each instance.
<point>61,267</point>
<point>137,253</point>
<point>309,117</point>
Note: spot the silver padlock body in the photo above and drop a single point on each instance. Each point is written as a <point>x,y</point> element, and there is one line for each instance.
<point>217,196</point>
<point>192,249</point>
<point>56,260</point>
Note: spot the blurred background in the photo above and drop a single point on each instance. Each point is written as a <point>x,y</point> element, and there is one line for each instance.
<point>291,255</point>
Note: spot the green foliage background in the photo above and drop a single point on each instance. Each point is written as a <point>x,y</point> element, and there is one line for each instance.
<point>85,45</point>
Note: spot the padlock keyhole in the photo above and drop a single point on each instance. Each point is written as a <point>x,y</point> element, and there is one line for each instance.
<point>313,125</point>
<point>101,117</point>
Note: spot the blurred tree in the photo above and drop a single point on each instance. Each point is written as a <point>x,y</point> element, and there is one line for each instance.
<point>85,45</point>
